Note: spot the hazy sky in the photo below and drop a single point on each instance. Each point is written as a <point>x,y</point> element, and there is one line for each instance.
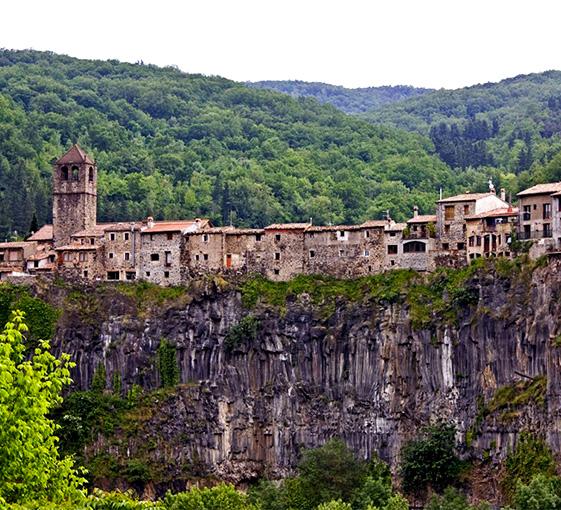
<point>355,43</point>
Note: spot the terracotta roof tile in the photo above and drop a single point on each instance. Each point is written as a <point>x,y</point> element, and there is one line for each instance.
<point>77,247</point>
<point>466,197</point>
<point>75,155</point>
<point>423,218</point>
<point>288,226</point>
<point>15,244</point>
<point>495,213</point>
<point>538,189</point>
<point>176,226</point>
<point>45,233</point>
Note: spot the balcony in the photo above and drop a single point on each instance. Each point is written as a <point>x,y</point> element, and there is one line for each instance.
<point>534,234</point>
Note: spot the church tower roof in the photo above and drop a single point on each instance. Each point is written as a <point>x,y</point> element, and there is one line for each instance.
<point>75,155</point>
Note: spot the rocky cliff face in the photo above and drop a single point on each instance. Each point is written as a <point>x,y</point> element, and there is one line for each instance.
<point>361,369</point>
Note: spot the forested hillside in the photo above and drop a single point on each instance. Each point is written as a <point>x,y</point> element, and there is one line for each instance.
<point>514,124</point>
<point>347,100</point>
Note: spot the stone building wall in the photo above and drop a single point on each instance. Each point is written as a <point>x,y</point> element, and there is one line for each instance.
<point>122,253</point>
<point>280,256</point>
<point>85,262</point>
<point>160,257</point>
<point>532,220</point>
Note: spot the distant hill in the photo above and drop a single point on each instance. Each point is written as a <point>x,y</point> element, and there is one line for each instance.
<point>171,144</point>
<point>357,100</point>
<point>514,124</point>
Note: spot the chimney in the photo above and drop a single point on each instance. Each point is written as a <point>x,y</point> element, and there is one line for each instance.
<point>415,211</point>
<point>503,194</point>
<point>150,222</point>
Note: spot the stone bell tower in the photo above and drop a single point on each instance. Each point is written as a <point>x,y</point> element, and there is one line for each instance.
<point>74,195</point>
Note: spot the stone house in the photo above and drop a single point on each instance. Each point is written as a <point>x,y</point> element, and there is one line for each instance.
<point>418,242</point>
<point>535,206</point>
<point>489,234</point>
<point>344,251</point>
<point>393,244</point>
<point>161,246</point>
<point>80,261</point>
<point>121,243</point>
<point>451,226</point>
<point>13,257</point>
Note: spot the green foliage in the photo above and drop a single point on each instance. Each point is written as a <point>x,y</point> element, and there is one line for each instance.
<point>452,499</point>
<point>531,457</point>
<point>221,497</point>
<point>30,465</point>
<point>168,365</point>
<point>335,505</point>
<point>347,100</point>
<point>40,317</point>
<point>330,472</point>
<point>243,331</point>
<point>430,461</point>
<point>99,379</point>
<point>540,493</point>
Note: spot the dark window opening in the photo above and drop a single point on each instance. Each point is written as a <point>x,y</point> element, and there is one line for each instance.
<point>85,274</point>
<point>130,275</point>
<point>277,237</point>
<point>312,253</point>
<point>154,257</point>
<point>91,174</point>
<point>258,237</point>
<point>277,256</point>
<point>147,273</point>
<point>166,274</point>
<point>276,271</point>
<point>64,173</point>
<point>392,249</point>
<point>168,258</point>
<point>205,256</point>
<point>35,263</point>
<point>75,173</point>
<point>126,236</point>
<point>445,246</point>
<point>414,247</point>
<point>112,275</point>
<point>461,246</point>
<point>170,236</point>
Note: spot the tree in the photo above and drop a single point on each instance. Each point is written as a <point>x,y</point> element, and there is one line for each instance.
<point>30,387</point>
<point>430,460</point>
<point>330,472</point>
<point>541,493</point>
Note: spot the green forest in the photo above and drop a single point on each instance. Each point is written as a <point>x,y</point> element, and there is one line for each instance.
<point>174,145</point>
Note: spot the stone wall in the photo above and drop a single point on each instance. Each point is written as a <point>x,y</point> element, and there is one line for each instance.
<point>160,257</point>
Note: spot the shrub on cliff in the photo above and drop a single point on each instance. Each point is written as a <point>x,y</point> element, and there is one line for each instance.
<point>430,461</point>
<point>452,499</point>
<point>541,493</point>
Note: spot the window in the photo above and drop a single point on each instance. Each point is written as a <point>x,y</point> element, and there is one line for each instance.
<point>341,253</point>
<point>92,241</point>
<point>471,256</point>
<point>151,237</point>
<point>546,211</point>
<point>205,256</point>
<point>445,246</point>
<point>547,229</point>
<point>130,275</point>
<point>166,274</point>
<point>366,253</point>
<point>147,273</point>
<point>111,255</point>
<point>392,249</point>
<point>277,237</point>
<point>35,263</point>
<point>414,228</point>
<point>197,257</point>
<point>414,247</point>
<point>277,255</point>
<point>168,258</point>
<point>64,173</point>
<point>448,212</point>
<point>276,271</point>
<point>366,234</point>
<point>205,238</point>
<point>392,234</point>
<point>154,257</point>
<point>126,236</point>
<point>535,207</point>
<point>471,240</point>
<point>75,173</point>
<point>127,255</point>
<point>67,257</point>
<point>466,209</point>
<point>112,275</point>
<point>112,236</point>
<point>258,237</point>
<point>461,246</point>
<point>446,229</point>
<point>85,274</point>
<point>312,253</point>
<point>1,257</point>
<point>342,235</point>
<point>83,256</point>
<point>478,240</point>
<point>91,174</point>
<point>169,236</point>
<point>392,262</point>
<point>527,233</point>
<point>527,214</point>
